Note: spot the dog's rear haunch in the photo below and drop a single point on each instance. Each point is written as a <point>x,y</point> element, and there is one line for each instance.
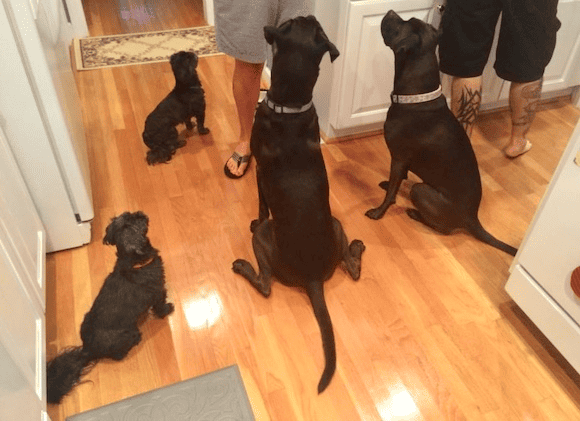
<point>110,329</point>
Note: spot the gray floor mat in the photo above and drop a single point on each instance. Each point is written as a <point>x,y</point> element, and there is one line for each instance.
<point>219,395</point>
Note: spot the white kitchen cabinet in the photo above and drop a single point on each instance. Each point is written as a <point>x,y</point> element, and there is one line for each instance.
<point>540,280</point>
<point>22,297</point>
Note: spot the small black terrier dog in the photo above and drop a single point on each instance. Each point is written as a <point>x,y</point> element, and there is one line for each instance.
<point>110,328</point>
<point>185,101</point>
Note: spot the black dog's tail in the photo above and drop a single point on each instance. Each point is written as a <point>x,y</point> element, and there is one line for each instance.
<point>315,292</point>
<point>64,371</point>
<point>476,229</point>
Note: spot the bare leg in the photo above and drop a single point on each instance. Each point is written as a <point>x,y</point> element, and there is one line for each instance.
<point>465,101</point>
<point>246,89</point>
<point>524,98</point>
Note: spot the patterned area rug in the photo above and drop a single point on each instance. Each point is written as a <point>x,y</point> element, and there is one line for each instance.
<point>146,47</point>
<point>216,396</point>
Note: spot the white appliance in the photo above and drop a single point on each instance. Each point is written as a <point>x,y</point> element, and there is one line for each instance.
<point>41,116</point>
<point>541,274</point>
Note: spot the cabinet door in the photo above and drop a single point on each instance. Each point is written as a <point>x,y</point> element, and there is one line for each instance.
<point>22,297</point>
<point>366,80</point>
<point>559,74</point>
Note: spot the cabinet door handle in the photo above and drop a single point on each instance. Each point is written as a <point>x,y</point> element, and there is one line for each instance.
<point>575,281</point>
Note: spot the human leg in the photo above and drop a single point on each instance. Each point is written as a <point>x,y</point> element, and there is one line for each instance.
<point>467,31</point>
<point>465,100</point>
<point>246,90</point>
<point>523,100</point>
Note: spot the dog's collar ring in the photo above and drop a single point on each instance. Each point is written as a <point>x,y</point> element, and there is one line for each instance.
<point>416,99</point>
<point>280,109</point>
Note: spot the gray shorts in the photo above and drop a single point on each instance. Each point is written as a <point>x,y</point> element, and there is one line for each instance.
<point>240,24</point>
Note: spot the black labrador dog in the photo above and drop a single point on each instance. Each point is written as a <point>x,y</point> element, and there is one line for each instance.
<point>424,137</point>
<point>111,327</point>
<point>302,243</point>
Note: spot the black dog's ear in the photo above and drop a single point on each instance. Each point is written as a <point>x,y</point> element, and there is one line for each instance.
<point>195,59</point>
<point>109,238</point>
<point>323,40</point>
<point>114,226</point>
<point>271,33</point>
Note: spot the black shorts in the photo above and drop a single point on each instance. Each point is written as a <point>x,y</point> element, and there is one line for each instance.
<point>526,41</point>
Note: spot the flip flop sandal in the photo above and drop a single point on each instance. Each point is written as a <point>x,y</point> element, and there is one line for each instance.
<point>239,159</point>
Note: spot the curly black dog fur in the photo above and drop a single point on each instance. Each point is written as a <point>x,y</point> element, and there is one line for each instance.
<point>110,328</point>
<point>185,101</point>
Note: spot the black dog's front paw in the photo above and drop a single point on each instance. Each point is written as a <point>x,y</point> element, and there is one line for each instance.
<point>356,248</point>
<point>254,224</point>
<point>384,185</point>
<point>241,267</point>
<point>165,310</point>
<point>375,213</point>
<point>202,130</point>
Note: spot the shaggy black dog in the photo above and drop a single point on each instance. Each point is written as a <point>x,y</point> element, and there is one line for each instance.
<point>185,101</point>
<point>110,328</point>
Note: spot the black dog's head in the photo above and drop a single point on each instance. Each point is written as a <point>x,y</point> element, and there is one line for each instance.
<point>303,35</point>
<point>183,64</point>
<point>408,36</point>
<point>298,46</point>
<point>128,232</point>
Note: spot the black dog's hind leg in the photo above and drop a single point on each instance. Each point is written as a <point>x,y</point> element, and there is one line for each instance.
<point>351,254</point>
<point>398,174</point>
<point>201,129</point>
<point>433,209</point>
<point>261,242</point>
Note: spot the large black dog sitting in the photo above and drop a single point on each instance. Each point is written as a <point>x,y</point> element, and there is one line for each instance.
<point>185,101</point>
<point>302,244</point>
<point>425,138</point>
<point>110,328</point>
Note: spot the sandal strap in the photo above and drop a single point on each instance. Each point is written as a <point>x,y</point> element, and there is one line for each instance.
<point>240,158</point>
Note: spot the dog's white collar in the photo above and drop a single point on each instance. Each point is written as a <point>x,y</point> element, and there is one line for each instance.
<point>415,99</point>
<point>280,109</point>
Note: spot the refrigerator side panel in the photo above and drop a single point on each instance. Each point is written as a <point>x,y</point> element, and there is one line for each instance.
<point>47,63</point>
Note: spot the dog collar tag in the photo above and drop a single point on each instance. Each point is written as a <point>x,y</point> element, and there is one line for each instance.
<point>280,109</point>
<point>416,99</point>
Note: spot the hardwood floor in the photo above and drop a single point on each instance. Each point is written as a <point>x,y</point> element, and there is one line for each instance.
<point>427,333</point>
<point>116,17</point>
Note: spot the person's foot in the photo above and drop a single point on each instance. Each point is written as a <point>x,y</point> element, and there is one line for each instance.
<point>237,165</point>
<point>517,147</point>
